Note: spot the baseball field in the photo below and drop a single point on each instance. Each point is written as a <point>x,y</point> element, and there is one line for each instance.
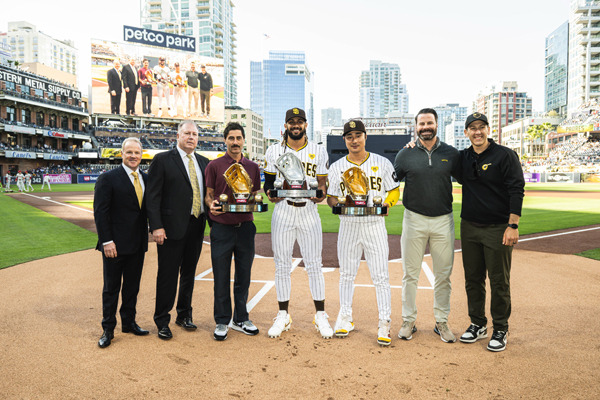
<point>51,309</point>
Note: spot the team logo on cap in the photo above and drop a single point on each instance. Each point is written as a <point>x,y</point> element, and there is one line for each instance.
<point>352,124</point>
<point>476,115</point>
<point>296,111</point>
<point>374,169</point>
<point>312,156</point>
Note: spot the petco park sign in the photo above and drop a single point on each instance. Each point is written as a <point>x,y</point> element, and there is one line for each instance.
<point>160,39</point>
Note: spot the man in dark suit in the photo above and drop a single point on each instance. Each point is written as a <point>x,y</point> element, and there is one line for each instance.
<point>131,85</point>
<point>113,78</point>
<point>121,222</point>
<point>176,188</point>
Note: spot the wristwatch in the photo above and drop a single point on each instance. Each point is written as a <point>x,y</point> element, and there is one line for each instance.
<point>514,226</point>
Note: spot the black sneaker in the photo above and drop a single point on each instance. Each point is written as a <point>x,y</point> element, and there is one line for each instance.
<point>246,327</point>
<point>498,341</point>
<point>474,333</point>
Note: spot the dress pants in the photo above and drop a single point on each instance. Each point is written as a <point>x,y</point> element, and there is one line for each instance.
<point>225,241</point>
<point>115,103</point>
<point>147,99</point>
<point>130,101</point>
<point>178,258</point>
<point>417,231</point>
<point>127,268</point>
<point>483,252</point>
<point>205,101</point>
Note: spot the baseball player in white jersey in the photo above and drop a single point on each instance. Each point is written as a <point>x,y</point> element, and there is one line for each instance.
<point>162,75</point>
<point>46,181</point>
<point>7,182</point>
<point>178,79</point>
<point>20,181</point>
<point>28,182</point>
<point>363,233</point>
<point>297,219</point>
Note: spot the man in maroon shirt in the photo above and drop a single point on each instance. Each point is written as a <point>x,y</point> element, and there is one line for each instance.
<point>231,234</point>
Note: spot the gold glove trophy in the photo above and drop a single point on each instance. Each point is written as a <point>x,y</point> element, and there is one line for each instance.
<point>241,185</point>
<point>295,184</point>
<point>355,202</point>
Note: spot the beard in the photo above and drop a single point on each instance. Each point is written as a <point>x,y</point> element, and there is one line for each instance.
<point>426,134</point>
<point>295,136</point>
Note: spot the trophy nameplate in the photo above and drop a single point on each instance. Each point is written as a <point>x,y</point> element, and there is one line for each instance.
<point>355,202</point>
<point>295,185</point>
<point>242,200</point>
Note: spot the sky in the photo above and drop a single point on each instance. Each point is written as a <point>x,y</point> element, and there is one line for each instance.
<point>447,50</point>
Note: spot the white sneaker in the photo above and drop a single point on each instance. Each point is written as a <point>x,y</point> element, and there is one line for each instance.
<point>383,334</point>
<point>172,113</point>
<point>159,113</point>
<point>343,326</point>
<point>281,322</point>
<point>322,324</point>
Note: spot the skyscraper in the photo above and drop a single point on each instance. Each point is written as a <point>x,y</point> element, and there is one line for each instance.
<point>281,82</point>
<point>584,53</point>
<point>557,58</point>
<point>382,91</point>
<point>210,22</point>
<point>331,117</point>
<point>503,104</point>
<point>445,113</point>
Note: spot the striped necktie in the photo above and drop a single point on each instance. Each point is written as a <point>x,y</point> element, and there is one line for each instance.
<point>139,192</point>
<point>197,203</point>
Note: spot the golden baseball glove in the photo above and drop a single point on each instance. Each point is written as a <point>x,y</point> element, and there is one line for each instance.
<point>356,181</point>
<point>238,179</point>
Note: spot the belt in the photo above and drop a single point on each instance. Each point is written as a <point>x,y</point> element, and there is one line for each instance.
<point>293,204</point>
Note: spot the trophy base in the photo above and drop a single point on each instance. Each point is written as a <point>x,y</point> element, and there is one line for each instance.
<point>359,211</point>
<point>296,193</point>
<point>244,208</point>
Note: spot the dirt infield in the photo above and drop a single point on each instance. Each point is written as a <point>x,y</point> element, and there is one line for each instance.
<point>51,311</point>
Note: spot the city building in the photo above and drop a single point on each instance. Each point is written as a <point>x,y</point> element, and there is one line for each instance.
<point>557,61</point>
<point>253,128</point>
<point>515,135</point>
<point>42,122</point>
<point>382,91</point>
<point>30,45</point>
<point>446,113</point>
<point>400,124</point>
<point>281,82</point>
<point>331,117</point>
<point>455,132</point>
<point>210,22</point>
<point>503,104</point>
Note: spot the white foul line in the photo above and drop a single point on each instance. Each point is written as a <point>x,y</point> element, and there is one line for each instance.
<point>59,203</point>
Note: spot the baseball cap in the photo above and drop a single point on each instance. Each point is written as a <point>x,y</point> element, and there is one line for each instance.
<point>354,125</point>
<point>203,66</point>
<point>476,117</point>
<point>295,112</point>
<point>161,59</point>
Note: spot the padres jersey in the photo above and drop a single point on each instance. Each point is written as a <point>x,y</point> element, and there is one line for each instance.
<point>161,74</point>
<point>380,173</point>
<point>314,160</point>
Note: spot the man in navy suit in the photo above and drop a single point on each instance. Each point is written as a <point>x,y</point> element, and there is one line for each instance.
<point>115,87</point>
<point>131,84</point>
<point>121,222</point>
<point>176,189</point>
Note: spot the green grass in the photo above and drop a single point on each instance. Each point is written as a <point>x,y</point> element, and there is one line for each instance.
<point>593,254</point>
<point>63,187</point>
<point>564,187</point>
<point>30,234</point>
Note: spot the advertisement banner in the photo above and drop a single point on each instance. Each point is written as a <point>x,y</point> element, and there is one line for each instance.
<point>60,157</point>
<point>19,129</point>
<point>20,154</point>
<point>10,75</point>
<point>575,128</point>
<point>87,178</point>
<point>560,177</point>
<point>149,154</point>
<point>55,134</point>
<point>59,178</point>
<point>83,154</point>
<point>170,84</point>
<point>158,38</point>
<point>532,177</point>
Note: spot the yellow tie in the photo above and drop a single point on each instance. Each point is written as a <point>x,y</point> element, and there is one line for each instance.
<point>138,188</point>
<point>197,203</point>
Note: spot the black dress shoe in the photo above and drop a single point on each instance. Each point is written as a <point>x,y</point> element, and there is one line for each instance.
<point>135,329</point>
<point>105,339</point>
<point>165,333</point>
<point>186,323</point>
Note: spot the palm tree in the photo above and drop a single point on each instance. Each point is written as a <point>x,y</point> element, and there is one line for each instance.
<point>533,133</point>
<point>546,127</point>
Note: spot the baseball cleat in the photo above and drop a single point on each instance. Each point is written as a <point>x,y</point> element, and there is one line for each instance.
<point>442,329</point>
<point>281,322</point>
<point>322,325</point>
<point>474,333</point>
<point>383,334</point>
<point>407,329</point>
<point>343,326</point>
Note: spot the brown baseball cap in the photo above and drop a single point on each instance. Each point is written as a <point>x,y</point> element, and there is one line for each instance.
<point>295,112</point>
<point>354,125</point>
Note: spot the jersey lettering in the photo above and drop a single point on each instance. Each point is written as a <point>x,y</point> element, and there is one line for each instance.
<point>310,169</point>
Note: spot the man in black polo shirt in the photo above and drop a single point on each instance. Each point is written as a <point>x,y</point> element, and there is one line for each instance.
<point>492,189</point>
<point>231,234</point>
